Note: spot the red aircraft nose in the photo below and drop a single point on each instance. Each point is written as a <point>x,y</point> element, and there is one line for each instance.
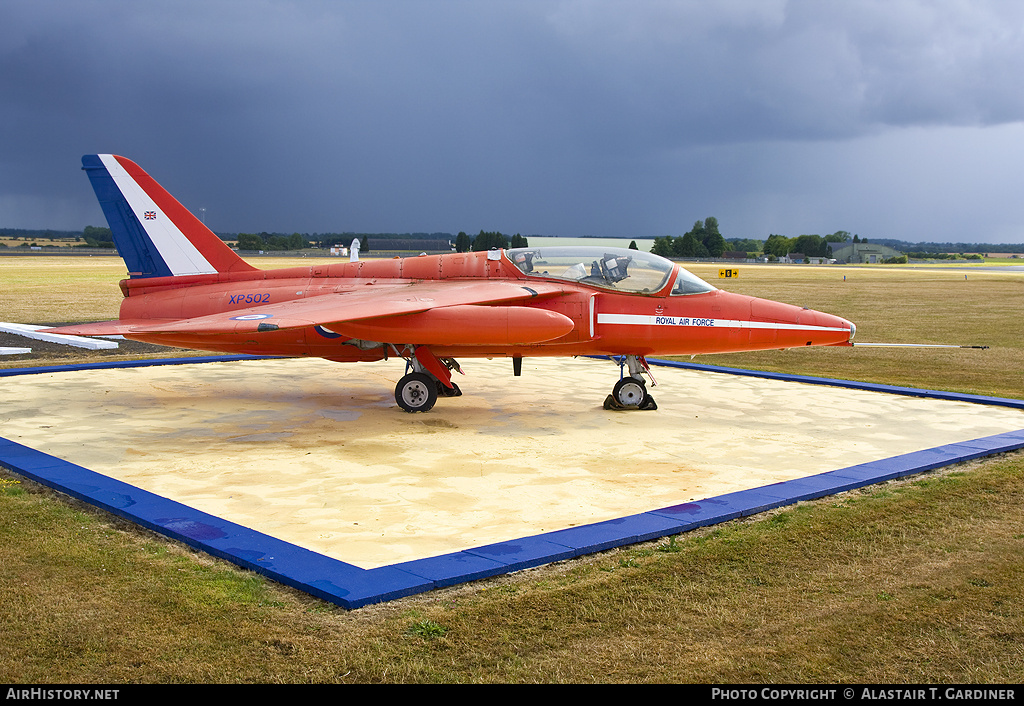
<point>793,326</point>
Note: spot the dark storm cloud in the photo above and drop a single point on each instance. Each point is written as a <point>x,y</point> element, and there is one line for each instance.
<point>539,117</point>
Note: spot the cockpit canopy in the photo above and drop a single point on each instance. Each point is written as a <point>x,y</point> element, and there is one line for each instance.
<point>610,268</point>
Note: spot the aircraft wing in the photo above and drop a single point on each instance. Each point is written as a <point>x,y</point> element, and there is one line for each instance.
<point>373,301</point>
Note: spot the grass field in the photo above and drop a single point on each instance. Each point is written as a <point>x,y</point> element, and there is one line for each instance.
<point>911,581</point>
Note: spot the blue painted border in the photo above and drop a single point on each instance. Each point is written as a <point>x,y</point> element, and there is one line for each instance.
<point>144,363</point>
<point>352,587</point>
<point>852,384</point>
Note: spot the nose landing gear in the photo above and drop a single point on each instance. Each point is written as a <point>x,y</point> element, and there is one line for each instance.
<point>630,392</point>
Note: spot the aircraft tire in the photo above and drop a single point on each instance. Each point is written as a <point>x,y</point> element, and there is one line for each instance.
<point>416,392</point>
<point>630,392</point>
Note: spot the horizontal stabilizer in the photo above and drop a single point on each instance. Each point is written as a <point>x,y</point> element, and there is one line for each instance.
<point>55,335</point>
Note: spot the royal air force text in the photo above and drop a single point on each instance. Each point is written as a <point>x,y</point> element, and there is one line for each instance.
<point>681,321</point>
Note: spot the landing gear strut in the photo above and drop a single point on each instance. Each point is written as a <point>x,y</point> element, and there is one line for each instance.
<point>630,392</point>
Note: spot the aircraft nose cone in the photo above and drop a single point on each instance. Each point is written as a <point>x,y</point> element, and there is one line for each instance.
<point>789,326</point>
<point>845,329</point>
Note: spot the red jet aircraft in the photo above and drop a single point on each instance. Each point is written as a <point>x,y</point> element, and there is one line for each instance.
<point>187,288</point>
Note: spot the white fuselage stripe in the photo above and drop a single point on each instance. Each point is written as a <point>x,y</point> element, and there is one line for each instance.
<point>177,251</point>
<point>593,300</point>
<point>646,320</point>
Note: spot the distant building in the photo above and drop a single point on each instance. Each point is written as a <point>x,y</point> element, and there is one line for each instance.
<point>800,258</point>
<point>862,252</point>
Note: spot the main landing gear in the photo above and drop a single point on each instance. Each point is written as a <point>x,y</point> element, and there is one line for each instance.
<point>427,378</point>
<point>630,392</point>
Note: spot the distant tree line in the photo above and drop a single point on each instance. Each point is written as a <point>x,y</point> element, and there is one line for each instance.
<point>809,245</point>
<point>706,240</point>
<point>271,242</point>
<point>485,240</point>
<point>95,237</point>
<point>703,240</point>
<point>89,237</point>
<point>434,241</point>
<point>925,255</point>
<point>932,250</point>
<point>30,234</point>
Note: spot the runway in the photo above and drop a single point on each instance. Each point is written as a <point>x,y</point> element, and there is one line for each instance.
<point>319,457</point>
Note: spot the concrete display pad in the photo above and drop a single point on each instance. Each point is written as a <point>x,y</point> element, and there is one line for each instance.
<point>308,471</point>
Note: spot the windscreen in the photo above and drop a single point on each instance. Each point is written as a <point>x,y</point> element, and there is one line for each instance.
<point>610,268</point>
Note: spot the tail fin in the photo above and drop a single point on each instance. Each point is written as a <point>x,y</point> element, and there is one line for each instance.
<point>156,235</point>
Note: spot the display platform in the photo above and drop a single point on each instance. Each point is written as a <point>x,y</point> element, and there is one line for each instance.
<point>308,472</point>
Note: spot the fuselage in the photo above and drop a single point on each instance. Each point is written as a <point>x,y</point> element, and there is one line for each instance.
<point>592,302</point>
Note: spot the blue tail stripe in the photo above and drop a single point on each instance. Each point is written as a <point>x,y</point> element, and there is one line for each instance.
<point>133,243</point>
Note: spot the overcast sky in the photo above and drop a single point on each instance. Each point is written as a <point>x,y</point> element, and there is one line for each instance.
<point>889,119</point>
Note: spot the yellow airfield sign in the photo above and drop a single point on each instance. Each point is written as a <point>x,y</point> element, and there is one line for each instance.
<point>730,273</point>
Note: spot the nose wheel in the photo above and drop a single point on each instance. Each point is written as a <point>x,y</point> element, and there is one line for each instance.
<point>630,392</point>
